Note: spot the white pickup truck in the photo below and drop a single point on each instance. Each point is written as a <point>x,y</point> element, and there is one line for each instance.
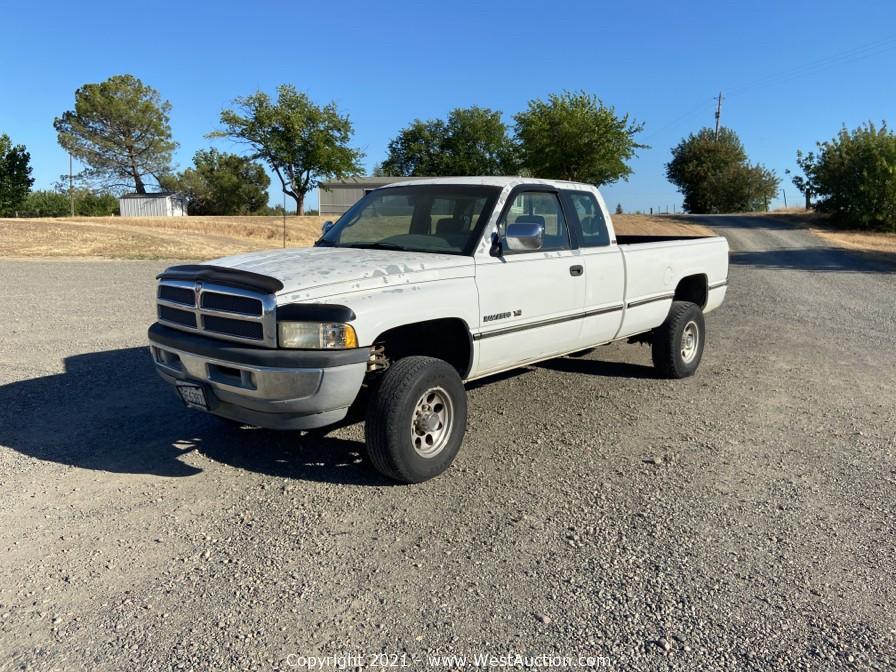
<point>421,287</point>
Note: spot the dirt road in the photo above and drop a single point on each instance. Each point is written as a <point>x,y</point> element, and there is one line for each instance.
<point>740,519</point>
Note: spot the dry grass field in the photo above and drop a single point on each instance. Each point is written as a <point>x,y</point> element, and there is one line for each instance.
<point>658,225</point>
<point>209,237</point>
<point>867,241</point>
<point>819,224</point>
<point>152,237</point>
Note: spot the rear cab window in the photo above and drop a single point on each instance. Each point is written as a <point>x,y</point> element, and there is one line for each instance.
<point>590,225</point>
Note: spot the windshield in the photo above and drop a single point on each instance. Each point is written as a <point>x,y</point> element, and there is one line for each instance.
<point>439,218</point>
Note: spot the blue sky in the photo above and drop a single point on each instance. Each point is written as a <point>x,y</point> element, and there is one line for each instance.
<point>792,72</point>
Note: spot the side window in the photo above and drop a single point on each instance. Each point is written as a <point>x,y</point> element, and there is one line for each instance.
<point>592,227</point>
<point>540,207</point>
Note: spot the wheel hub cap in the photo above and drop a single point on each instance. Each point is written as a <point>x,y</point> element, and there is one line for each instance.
<point>690,339</point>
<point>427,422</point>
<point>431,423</point>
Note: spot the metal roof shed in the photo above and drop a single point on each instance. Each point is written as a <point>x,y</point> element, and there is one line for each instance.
<point>161,204</point>
<point>334,198</point>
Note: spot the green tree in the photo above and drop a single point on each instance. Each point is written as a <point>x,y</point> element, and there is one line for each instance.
<point>90,203</point>
<point>274,211</point>
<point>221,184</point>
<point>57,203</point>
<point>713,174</point>
<point>472,141</point>
<point>854,176</point>
<point>802,182</point>
<point>45,203</point>
<point>619,208</point>
<point>120,129</point>
<point>416,150</point>
<point>303,143</point>
<point>574,136</point>
<point>743,187</point>
<point>15,175</point>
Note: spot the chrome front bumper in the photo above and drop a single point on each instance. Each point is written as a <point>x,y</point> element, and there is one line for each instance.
<point>277,389</point>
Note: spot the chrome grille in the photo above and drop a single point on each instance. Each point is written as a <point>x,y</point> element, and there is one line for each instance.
<point>183,295</point>
<point>219,311</point>
<point>230,303</point>
<point>184,318</point>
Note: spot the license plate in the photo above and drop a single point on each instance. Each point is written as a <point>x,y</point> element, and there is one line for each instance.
<point>193,395</point>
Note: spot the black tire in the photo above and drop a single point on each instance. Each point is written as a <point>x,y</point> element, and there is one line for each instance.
<point>671,355</point>
<point>393,408</point>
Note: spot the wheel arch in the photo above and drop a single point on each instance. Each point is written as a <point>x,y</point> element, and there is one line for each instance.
<point>693,288</point>
<point>446,338</point>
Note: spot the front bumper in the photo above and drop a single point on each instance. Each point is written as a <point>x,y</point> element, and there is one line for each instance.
<point>277,389</point>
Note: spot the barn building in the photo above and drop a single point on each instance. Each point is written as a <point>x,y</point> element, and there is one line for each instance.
<point>161,204</point>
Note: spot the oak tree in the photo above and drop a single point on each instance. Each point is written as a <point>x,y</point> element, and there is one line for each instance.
<point>303,143</point>
<point>471,141</point>
<point>574,136</point>
<point>713,173</point>
<point>220,183</point>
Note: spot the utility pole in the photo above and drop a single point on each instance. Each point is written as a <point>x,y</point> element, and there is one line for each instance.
<point>718,113</point>
<point>284,219</point>
<point>784,194</point>
<point>71,187</point>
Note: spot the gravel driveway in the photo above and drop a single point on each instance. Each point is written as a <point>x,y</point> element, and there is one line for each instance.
<point>741,519</point>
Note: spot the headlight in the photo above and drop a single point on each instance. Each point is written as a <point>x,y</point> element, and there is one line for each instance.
<point>316,335</point>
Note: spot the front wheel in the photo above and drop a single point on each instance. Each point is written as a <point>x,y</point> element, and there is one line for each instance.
<point>416,419</point>
<point>678,342</point>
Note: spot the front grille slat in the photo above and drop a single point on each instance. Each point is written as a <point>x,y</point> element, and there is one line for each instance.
<point>182,317</point>
<point>219,311</point>
<point>225,325</point>
<point>230,303</point>
<point>177,294</point>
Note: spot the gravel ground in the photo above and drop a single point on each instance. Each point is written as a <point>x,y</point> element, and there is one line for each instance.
<point>740,519</point>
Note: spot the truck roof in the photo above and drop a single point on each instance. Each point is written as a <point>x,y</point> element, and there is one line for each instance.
<point>490,181</point>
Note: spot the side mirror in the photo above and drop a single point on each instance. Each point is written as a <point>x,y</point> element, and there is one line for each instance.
<point>525,236</point>
<point>327,226</point>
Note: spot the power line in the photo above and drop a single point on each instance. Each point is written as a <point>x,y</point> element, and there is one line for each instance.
<point>850,55</point>
<point>699,107</point>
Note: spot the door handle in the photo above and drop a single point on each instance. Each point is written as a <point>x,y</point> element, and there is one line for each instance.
<point>575,270</point>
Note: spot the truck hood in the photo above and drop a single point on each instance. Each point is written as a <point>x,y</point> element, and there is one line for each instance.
<point>316,272</point>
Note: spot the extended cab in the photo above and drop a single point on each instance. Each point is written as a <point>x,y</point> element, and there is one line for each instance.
<point>417,289</point>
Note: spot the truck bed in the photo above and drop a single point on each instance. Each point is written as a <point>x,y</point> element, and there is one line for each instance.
<point>654,265</point>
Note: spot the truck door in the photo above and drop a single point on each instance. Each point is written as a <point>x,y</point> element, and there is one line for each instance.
<point>604,267</point>
<point>530,302</point>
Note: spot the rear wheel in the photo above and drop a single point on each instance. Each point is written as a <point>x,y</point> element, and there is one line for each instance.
<point>416,419</point>
<point>678,342</point>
